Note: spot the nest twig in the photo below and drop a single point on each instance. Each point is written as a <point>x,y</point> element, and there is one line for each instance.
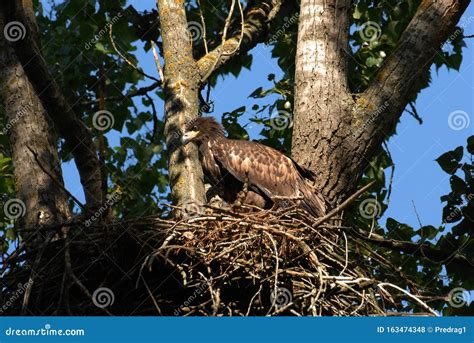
<point>218,263</point>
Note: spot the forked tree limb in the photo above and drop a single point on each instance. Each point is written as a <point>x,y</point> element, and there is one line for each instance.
<point>256,26</point>
<point>70,127</point>
<point>397,79</point>
<point>337,133</point>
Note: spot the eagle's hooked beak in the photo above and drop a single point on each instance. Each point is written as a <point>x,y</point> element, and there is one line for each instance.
<point>188,137</point>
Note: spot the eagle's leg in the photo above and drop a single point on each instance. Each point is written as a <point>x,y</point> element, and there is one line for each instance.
<point>242,195</point>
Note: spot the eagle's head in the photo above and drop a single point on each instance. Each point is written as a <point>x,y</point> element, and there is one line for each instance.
<point>202,129</point>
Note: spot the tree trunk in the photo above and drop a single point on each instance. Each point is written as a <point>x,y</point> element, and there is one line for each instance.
<point>38,178</point>
<point>337,133</point>
<point>181,85</point>
<point>70,127</point>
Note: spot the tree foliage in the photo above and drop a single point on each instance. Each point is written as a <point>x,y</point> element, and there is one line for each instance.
<point>76,45</point>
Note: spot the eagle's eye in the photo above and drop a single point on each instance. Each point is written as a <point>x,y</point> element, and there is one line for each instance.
<point>194,128</point>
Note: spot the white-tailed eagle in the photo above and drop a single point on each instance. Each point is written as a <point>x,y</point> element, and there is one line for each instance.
<point>230,164</point>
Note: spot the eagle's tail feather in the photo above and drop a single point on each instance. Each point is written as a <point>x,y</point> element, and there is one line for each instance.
<point>312,202</point>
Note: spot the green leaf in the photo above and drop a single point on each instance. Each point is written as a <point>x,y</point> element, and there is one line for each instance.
<point>458,185</point>
<point>10,234</point>
<point>100,47</point>
<point>257,93</point>
<point>449,161</point>
<point>470,145</point>
<point>428,232</point>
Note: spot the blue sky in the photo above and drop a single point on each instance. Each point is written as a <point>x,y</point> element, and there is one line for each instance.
<point>418,179</point>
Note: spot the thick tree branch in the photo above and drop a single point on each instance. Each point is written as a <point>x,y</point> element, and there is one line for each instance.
<point>38,178</point>
<point>70,127</point>
<point>396,81</point>
<point>181,85</point>
<point>322,97</point>
<point>422,250</point>
<point>257,22</point>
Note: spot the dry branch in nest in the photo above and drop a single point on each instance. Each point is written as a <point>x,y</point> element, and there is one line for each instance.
<point>221,262</point>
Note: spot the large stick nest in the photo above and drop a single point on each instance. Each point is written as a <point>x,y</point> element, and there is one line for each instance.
<point>221,262</point>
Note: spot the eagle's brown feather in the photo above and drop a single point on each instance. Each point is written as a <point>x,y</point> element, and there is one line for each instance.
<point>269,172</point>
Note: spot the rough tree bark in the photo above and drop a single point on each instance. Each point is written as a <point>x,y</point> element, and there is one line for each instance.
<point>183,78</point>
<point>181,86</point>
<point>69,126</point>
<point>33,144</point>
<point>256,24</point>
<point>336,133</point>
